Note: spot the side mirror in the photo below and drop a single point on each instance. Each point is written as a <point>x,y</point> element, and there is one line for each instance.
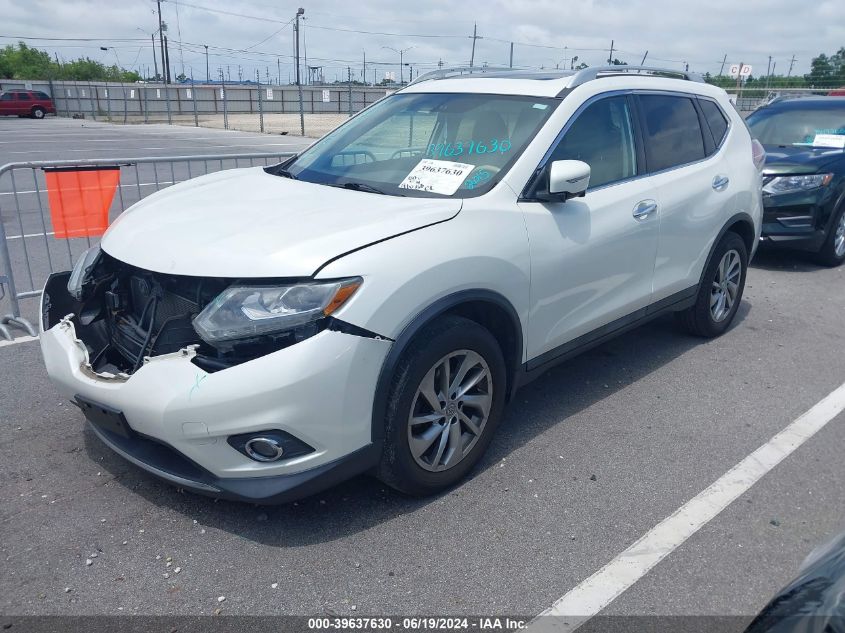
<point>568,178</point>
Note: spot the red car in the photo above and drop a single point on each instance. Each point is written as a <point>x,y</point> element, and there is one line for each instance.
<point>31,103</point>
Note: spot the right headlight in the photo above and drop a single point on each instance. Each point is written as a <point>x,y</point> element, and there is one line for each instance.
<point>791,184</point>
<point>246,312</point>
<point>81,270</point>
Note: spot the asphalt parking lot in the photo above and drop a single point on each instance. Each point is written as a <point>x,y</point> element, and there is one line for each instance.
<point>589,458</point>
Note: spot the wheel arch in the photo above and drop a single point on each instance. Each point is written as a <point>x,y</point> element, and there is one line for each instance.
<point>485,307</point>
<point>742,225</point>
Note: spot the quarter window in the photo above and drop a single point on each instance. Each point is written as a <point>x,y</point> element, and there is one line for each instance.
<point>672,131</point>
<point>602,136</point>
<point>715,119</point>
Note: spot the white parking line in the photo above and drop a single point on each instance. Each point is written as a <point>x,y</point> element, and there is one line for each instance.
<point>17,341</point>
<point>603,587</point>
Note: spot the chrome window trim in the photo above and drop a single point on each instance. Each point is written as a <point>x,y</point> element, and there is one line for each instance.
<point>625,92</point>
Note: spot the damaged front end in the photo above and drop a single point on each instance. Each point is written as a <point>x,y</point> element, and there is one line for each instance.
<point>124,315</point>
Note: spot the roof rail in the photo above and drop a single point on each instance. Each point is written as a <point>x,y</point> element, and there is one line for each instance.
<point>453,71</point>
<point>589,74</point>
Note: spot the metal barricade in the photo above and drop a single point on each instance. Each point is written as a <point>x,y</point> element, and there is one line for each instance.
<point>29,250</point>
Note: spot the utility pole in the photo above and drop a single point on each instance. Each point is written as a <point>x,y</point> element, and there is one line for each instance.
<point>279,70</point>
<point>642,63</point>
<point>768,72</point>
<point>510,63</point>
<point>791,64</point>
<point>161,42</point>
<point>724,61</point>
<point>474,37</point>
<point>610,57</point>
<point>155,59</point>
<point>167,59</point>
<point>299,12</point>
<point>207,74</point>
<point>440,63</point>
<point>364,71</point>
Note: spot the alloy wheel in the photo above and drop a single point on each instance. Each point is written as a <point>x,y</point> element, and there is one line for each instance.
<point>450,410</point>
<point>725,286</point>
<point>839,238</point>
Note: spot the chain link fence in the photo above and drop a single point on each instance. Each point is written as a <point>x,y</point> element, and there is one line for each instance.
<point>247,107</point>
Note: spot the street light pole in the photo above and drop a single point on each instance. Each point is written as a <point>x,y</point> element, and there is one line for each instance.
<point>207,74</point>
<point>401,60</point>
<point>299,12</point>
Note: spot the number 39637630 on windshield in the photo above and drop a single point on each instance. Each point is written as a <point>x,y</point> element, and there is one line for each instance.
<point>470,147</point>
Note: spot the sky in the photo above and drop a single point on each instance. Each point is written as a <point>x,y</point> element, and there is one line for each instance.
<point>249,36</point>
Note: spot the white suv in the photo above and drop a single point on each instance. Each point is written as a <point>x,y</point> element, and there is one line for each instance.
<point>373,303</point>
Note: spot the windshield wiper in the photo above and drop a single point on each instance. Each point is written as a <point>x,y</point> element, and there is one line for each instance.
<point>360,186</point>
<point>284,173</point>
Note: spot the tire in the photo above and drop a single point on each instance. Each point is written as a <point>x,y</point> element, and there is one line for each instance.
<point>718,298</point>
<point>449,341</point>
<point>38,112</point>
<point>832,252</point>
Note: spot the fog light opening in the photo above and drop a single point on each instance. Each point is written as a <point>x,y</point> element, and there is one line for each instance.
<point>264,449</point>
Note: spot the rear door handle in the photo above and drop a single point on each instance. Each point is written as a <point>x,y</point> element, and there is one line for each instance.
<point>644,209</point>
<point>720,183</point>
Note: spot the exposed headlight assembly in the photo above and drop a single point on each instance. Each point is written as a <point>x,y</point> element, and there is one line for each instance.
<point>81,272</point>
<point>245,312</point>
<point>791,184</point>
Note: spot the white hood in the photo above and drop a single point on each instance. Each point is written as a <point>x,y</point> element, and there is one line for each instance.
<point>248,223</point>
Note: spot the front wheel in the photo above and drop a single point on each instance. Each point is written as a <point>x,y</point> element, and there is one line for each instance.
<point>721,289</point>
<point>832,252</point>
<point>445,402</point>
<point>38,113</point>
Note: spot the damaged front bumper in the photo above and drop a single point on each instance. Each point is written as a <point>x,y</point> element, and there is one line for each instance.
<point>319,390</point>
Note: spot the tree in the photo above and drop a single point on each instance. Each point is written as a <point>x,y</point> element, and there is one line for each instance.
<point>25,62</point>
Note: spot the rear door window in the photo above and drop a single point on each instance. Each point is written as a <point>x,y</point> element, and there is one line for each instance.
<point>715,119</point>
<point>672,131</point>
<point>41,95</point>
<point>23,96</point>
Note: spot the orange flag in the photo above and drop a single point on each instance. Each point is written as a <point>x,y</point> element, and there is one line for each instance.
<point>80,198</point>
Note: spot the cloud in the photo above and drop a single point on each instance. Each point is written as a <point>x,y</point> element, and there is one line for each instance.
<point>545,33</point>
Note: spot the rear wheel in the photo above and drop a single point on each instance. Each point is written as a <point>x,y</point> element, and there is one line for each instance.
<point>832,252</point>
<point>38,112</point>
<point>445,402</point>
<point>721,289</point>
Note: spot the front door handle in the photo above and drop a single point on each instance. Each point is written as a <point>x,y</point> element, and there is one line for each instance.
<point>644,209</point>
<point>720,183</point>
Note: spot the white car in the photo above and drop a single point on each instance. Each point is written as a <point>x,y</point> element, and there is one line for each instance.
<point>373,303</point>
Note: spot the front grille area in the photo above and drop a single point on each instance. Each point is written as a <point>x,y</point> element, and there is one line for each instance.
<point>127,313</point>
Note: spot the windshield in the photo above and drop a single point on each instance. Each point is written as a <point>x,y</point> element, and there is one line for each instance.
<point>810,127</point>
<point>427,145</point>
